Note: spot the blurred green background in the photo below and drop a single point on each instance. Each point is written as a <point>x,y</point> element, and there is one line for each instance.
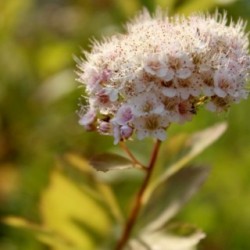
<point>38,121</point>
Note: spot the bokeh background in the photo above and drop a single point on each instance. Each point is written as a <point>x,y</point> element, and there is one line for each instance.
<point>39,40</point>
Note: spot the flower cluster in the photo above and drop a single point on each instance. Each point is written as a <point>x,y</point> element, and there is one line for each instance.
<point>160,71</point>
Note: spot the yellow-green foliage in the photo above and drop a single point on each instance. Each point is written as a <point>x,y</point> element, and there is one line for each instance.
<point>38,124</point>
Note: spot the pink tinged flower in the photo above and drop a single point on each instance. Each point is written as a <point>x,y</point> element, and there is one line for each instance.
<point>204,68</point>
<point>211,106</point>
<point>151,125</point>
<point>112,94</point>
<point>164,66</point>
<point>102,97</point>
<point>126,131</point>
<point>133,88</point>
<point>186,111</point>
<point>218,104</point>
<point>180,65</point>
<point>171,107</point>
<point>208,84</point>
<point>155,66</point>
<point>123,115</point>
<point>183,73</point>
<point>105,75</point>
<point>178,110</point>
<point>169,88</point>
<point>104,127</point>
<point>189,87</point>
<point>169,75</point>
<point>224,84</point>
<point>240,94</point>
<point>139,86</point>
<point>105,96</point>
<point>94,77</point>
<point>121,132</point>
<point>88,120</point>
<point>146,103</point>
<point>116,133</point>
<point>184,88</point>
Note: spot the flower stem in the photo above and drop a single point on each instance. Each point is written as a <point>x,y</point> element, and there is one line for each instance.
<point>139,199</point>
<point>137,164</point>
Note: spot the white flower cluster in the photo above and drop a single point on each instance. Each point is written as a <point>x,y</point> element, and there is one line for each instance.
<point>160,71</point>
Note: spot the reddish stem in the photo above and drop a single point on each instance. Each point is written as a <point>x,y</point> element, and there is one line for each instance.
<point>136,163</point>
<point>139,198</point>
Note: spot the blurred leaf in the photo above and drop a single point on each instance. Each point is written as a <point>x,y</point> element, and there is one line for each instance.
<point>9,180</point>
<point>54,57</point>
<point>169,196</point>
<point>149,4</point>
<point>78,162</point>
<point>168,5</point>
<point>174,147</point>
<point>225,2</point>
<point>22,223</point>
<point>107,161</point>
<point>128,7</point>
<point>63,204</point>
<point>201,140</point>
<point>79,171</point>
<point>83,174</point>
<point>167,240</point>
<point>166,183</point>
<point>11,11</point>
<point>111,201</point>
<point>72,218</point>
<point>56,87</point>
<point>42,233</point>
<point>194,145</point>
<point>196,5</point>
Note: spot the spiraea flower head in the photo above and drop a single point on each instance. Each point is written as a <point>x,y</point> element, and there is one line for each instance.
<point>160,71</point>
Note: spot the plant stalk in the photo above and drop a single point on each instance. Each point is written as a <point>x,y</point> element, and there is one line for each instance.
<point>136,163</point>
<point>139,199</point>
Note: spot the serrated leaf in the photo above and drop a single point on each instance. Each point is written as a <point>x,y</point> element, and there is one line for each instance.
<point>168,197</point>
<point>167,240</point>
<point>107,161</point>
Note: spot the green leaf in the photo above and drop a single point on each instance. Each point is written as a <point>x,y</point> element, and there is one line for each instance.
<point>196,5</point>
<point>169,196</point>
<point>194,145</point>
<point>149,4</point>
<point>107,161</point>
<point>201,140</point>
<point>77,209</point>
<point>41,233</point>
<point>63,204</point>
<point>191,6</point>
<point>84,176</point>
<point>24,224</point>
<point>168,5</point>
<point>167,239</point>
